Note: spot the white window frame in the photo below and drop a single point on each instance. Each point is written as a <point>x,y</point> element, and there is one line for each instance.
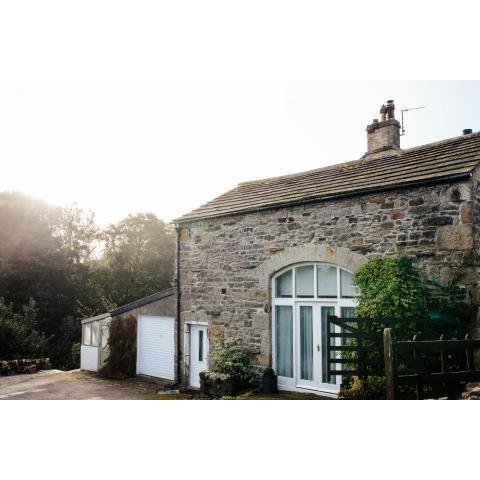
<point>90,324</point>
<point>295,384</point>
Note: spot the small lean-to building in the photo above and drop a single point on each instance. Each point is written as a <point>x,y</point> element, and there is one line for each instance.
<point>154,316</point>
<point>270,259</point>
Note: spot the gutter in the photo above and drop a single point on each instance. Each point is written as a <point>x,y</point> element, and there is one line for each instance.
<point>177,313</point>
<point>449,178</point>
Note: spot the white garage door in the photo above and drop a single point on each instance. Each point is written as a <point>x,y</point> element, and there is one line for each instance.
<point>156,348</point>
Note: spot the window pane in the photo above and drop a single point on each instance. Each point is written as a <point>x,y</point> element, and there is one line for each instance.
<point>347,312</point>
<point>304,277</point>
<point>95,334</point>
<point>346,284</point>
<point>284,285</point>
<point>200,345</point>
<point>87,333</point>
<point>325,377</point>
<point>326,281</point>
<point>284,341</point>
<point>306,343</point>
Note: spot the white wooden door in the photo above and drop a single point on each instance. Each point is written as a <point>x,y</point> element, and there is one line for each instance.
<point>155,346</point>
<point>198,353</point>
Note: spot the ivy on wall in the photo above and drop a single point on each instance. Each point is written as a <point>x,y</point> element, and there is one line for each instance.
<point>122,343</point>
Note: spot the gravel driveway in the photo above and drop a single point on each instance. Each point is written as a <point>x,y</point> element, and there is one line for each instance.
<point>73,385</point>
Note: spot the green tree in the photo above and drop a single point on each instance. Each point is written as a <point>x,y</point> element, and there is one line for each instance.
<point>46,254</point>
<point>138,258</point>
<point>79,235</point>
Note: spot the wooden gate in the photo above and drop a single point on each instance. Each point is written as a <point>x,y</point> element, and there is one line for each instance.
<point>353,349</point>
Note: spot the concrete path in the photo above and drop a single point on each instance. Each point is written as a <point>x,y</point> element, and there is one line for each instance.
<point>73,385</point>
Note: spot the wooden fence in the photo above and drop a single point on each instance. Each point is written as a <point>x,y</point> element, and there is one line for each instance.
<point>416,368</point>
<point>435,367</point>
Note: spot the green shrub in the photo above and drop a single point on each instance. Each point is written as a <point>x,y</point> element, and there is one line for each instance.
<point>19,333</point>
<point>231,358</point>
<point>392,294</point>
<point>76,347</point>
<point>390,289</point>
<point>355,388</point>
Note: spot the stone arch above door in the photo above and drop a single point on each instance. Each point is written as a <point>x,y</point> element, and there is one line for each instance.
<point>342,257</point>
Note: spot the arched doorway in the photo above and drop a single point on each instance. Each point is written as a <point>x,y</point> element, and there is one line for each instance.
<point>303,296</point>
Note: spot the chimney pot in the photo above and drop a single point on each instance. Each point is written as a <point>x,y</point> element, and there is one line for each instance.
<point>390,110</point>
<point>467,131</point>
<point>383,112</point>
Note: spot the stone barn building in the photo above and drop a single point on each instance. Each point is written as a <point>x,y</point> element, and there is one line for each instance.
<point>270,259</point>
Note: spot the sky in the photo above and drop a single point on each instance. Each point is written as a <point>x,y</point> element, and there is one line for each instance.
<point>120,147</point>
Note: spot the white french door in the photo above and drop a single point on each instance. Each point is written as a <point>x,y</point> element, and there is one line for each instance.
<point>311,346</point>
<point>303,297</point>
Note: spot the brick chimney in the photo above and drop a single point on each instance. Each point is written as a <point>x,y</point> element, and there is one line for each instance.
<point>383,137</point>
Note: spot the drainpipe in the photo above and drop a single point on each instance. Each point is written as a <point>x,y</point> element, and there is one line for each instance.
<point>177,291</point>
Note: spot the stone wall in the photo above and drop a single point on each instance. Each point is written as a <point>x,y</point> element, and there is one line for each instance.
<point>224,261</point>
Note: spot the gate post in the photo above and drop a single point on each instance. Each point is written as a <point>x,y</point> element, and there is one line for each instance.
<point>390,355</point>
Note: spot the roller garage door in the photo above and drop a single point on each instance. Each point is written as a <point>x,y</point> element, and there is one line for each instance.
<point>155,347</point>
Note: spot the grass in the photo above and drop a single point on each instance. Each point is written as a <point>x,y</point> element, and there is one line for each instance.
<point>173,396</point>
<point>245,396</point>
<point>281,396</point>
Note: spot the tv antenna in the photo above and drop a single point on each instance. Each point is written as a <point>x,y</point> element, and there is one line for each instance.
<point>408,110</point>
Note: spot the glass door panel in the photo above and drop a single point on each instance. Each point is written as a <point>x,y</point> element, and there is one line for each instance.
<point>284,340</point>
<point>306,342</point>
<point>325,311</point>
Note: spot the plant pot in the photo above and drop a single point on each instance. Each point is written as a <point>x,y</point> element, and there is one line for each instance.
<point>270,384</point>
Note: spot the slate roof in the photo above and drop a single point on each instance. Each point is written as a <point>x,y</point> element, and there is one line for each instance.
<point>446,160</point>
<point>130,306</point>
<point>143,301</point>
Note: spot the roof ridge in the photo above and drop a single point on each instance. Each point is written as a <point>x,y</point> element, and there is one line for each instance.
<point>449,159</point>
<point>363,158</point>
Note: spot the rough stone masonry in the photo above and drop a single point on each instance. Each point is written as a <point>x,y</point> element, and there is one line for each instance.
<point>219,257</point>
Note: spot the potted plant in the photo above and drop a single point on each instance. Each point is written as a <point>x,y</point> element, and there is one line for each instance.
<point>231,369</point>
<point>269,381</point>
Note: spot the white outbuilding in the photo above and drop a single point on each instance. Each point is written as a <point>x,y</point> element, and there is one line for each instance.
<point>155,316</point>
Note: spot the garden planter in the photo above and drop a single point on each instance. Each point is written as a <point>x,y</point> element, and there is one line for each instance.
<point>269,384</point>
<point>219,385</point>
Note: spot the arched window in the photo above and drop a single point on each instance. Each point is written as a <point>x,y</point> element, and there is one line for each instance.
<point>303,296</point>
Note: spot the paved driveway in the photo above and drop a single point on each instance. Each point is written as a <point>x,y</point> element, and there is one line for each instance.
<point>73,385</point>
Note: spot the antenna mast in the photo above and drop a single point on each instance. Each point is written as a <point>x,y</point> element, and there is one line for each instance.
<point>408,110</point>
